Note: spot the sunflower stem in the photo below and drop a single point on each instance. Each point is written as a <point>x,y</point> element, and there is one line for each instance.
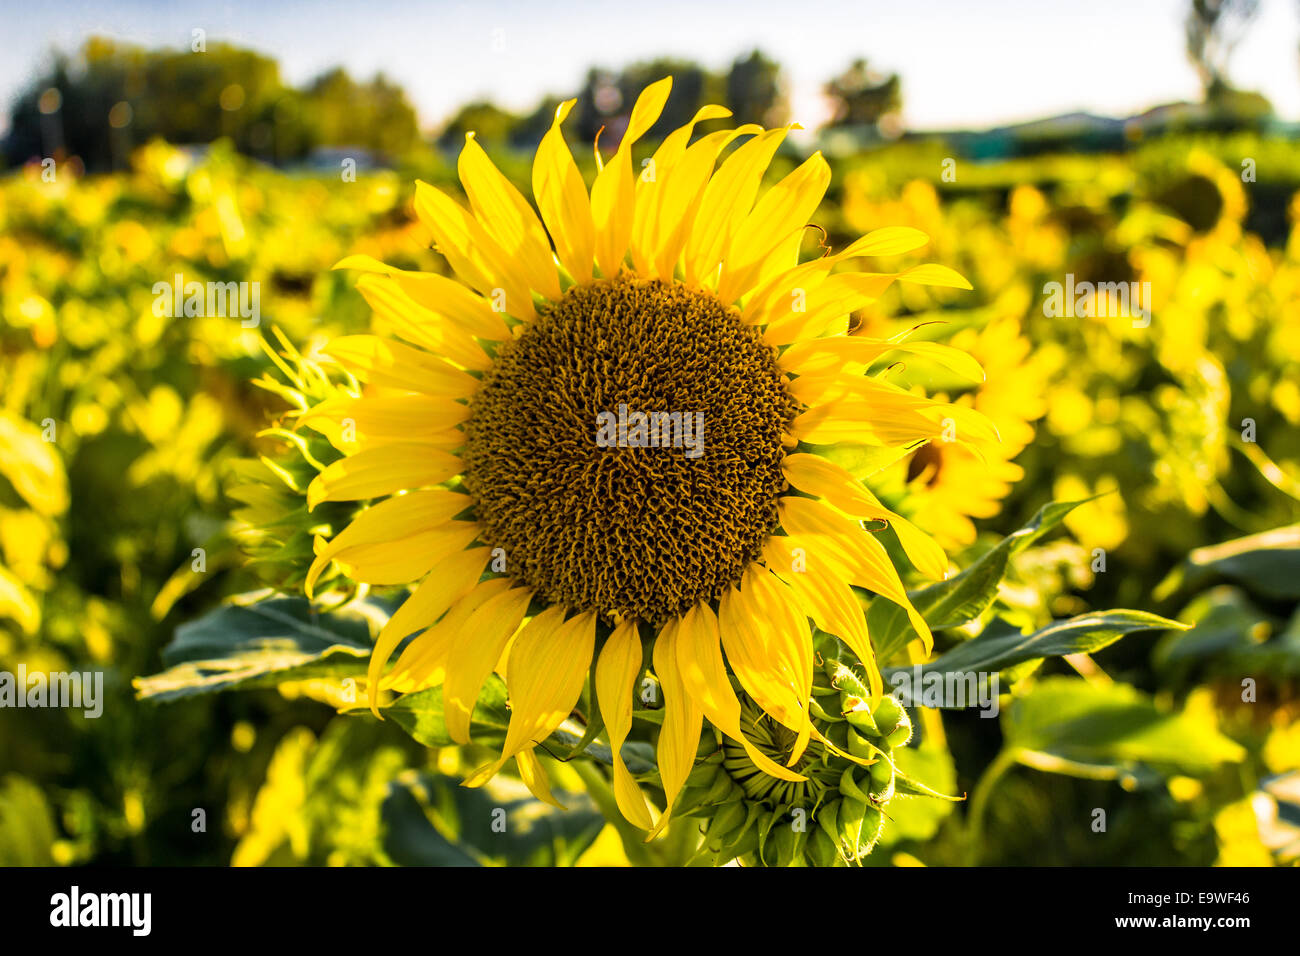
<point>979,801</point>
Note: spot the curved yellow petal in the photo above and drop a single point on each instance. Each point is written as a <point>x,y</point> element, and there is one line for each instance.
<point>394,524</point>
<point>472,252</point>
<point>699,659</point>
<point>533,774</point>
<point>547,668</point>
<point>777,221</point>
<point>400,558</point>
<point>825,307</point>
<point>682,193</point>
<point>391,418</point>
<point>616,673</point>
<point>382,470</point>
<point>613,194</point>
<point>679,737</point>
<point>394,365</point>
<point>825,597</point>
<point>424,662</point>
<point>562,199</point>
<point>475,652</point>
<point>439,294</point>
<point>833,354</point>
<point>838,488</point>
<point>863,558</point>
<point>773,296</point>
<point>449,580</point>
<point>508,218</point>
<point>419,326</point>
<point>764,652</point>
<point>650,186</point>
<point>727,200</point>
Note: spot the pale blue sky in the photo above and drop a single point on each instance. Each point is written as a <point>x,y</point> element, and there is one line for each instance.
<point>964,63</point>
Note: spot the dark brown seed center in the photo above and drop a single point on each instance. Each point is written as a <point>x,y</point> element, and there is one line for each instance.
<point>599,508</point>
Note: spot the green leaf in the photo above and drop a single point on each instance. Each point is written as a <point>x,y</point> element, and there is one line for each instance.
<point>963,596</point>
<point>1071,726</point>
<point>434,821</point>
<point>411,840</point>
<point>1266,564</point>
<point>1001,646</point>
<point>258,641</point>
<point>421,715</point>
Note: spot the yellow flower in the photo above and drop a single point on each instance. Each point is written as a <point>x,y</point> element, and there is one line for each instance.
<point>950,483</point>
<point>677,293</point>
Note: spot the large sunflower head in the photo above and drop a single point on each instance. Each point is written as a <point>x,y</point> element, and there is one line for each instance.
<point>604,435</point>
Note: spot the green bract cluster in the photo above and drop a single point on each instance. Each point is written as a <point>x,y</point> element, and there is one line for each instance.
<point>836,815</point>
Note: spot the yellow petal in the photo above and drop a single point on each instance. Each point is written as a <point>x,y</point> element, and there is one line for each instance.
<point>475,652</point>
<point>764,654</point>
<point>382,470</point>
<point>397,522</point>
<point>507,217</point>
<point>825,306</point>
<point>411,418</point>
<point>616,674</point>
<point>450,580</point>
<point>778,219</point>
<point>834,485</point>
<point>775,294</point>
<point>424,662</point>
<point>682,193</point>
<point>826,598</point>
<point>439,294</point>
<point>613,194</point>
<point>679,737</point>
<point>419,326</point>
<point>398,557</point>
<point>394,365</point>
<point>699,659</point>
<point>473,254</point>
<point>727,200</point>
<point>547,669</point>
<point>650,186</point>
<point>533,774</point>
<point>833,354</point>
<point>863,558</point>
<point>562,198</point>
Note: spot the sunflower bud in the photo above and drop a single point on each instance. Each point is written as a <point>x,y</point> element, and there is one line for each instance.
<point>834,816</point>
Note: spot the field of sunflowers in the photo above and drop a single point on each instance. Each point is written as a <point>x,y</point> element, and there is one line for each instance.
<point>152,488</point>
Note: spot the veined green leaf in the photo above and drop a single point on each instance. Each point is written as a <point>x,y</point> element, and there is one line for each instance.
<point>256,640</point>
<point>964,596</point>
<point>1002,646</point>
<point>1071,726</point>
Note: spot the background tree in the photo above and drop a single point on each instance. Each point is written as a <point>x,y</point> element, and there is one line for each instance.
<point>111,97</point>
<point>862,97</point>
<point>755,91</point>
<point>491,125</point>
<point>1213,29</point>
<point>375,115</point>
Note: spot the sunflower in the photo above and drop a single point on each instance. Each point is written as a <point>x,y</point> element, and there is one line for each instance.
<point>672,296</point>
<point>950,483</point>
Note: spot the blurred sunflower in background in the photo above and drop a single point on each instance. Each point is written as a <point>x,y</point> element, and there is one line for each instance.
<point>546,554</point>
<point>950,483</point>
